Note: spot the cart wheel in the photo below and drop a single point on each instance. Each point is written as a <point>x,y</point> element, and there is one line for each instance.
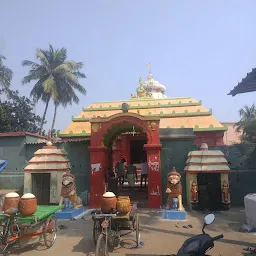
<point>96,231</point>
<point>137,223</point>
<point>50,231</point>
<point>101,247</point>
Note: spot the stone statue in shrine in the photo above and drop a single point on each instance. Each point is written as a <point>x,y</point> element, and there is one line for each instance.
<point>68,191</point>
<point>225,192</point>
<point>174,190</point>
<point>194,192</point>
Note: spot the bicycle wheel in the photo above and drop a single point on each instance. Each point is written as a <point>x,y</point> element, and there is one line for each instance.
<point>101,247</point>
<point>96,231</point>
<point>50,231</point>
<point>137,223</point>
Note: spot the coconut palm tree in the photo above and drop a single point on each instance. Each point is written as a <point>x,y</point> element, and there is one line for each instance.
<point>5,74</point>
<point>247,114</point>
<point>56,79</point>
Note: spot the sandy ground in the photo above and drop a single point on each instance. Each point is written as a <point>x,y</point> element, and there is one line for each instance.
<point>159,236</point>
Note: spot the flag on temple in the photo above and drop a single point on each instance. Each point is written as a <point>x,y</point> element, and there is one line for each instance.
<point>149,64</point>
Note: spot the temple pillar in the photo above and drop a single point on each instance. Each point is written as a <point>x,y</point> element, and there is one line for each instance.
<point>98,174</point>
<point>154,175</point>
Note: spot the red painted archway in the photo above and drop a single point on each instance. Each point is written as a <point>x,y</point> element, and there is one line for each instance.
<point>100,127</point>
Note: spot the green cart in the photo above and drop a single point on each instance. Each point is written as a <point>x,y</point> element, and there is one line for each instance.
<point>27,230</point>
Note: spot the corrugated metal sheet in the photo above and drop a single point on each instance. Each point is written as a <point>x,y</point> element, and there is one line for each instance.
<point>55,141</point>
<point>248,84</point>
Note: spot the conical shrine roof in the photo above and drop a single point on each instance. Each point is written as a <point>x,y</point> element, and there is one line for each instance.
<point>207,161</point>
<point>49,158</point>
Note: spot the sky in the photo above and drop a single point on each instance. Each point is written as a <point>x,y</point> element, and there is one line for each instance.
<point>199,48</point>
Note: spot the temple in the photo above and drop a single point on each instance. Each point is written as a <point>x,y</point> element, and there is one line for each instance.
<point>135,130</point>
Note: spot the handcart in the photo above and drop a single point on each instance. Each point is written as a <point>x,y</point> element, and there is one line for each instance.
<point>24,230</point>
<point>108,229</point>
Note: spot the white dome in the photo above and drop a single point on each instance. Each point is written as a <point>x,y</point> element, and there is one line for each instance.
<point>109,194</point>
<point>153,84</point>
<point>11,194</point>
<point>27,196</point>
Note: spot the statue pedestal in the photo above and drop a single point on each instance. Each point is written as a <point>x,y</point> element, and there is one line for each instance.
<point>174,215</point>
<point>69,214</point>
<point>226,206</point>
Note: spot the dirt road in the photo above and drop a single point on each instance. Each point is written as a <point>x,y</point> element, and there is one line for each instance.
<point>159,236</point>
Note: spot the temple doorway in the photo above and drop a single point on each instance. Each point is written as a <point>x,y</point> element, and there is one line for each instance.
<point>137,151</point>
<point>113,138</point>
<point>41,187</point>
<point>129,146</point>
<point>210,197</point>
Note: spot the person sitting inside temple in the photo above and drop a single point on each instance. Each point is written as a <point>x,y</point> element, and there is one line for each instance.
<point>131,176</point>
<point>144,173</point>
<point>112,183</point>
<point>120,171</point>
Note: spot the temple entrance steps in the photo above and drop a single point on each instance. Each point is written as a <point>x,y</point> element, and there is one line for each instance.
<point>138,196</point>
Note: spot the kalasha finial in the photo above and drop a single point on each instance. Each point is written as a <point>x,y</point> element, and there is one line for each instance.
<point>48,143</point>
<point>204,146</point>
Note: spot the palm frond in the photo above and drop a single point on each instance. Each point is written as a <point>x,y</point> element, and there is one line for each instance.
<point>50,87</point>
<point>2,57</point>
<point>28,63</point>
<point>79,74</point>
<point>42,55</point>
<point>5,74</point>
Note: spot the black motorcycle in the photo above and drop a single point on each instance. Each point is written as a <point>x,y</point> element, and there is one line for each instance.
<point>200,244</point>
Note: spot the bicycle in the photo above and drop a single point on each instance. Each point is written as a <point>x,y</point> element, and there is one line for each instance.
<point>107,227</point>
<point>15,231</point>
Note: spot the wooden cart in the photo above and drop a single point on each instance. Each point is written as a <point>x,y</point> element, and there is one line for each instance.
<point>111,227</point>
<point>27,230</point>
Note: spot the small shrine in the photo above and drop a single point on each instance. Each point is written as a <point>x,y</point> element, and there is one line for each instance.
<point>207,179</point>
<point>44,172</point>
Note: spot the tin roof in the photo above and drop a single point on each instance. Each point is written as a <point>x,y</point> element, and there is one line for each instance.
<point>248,84</point>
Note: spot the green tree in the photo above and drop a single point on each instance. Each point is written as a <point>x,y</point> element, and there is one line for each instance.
<point>16,114</point>
<point>249,132</point>
<point>5,75</point>
<point>247,114</point>
<point>56,79</point>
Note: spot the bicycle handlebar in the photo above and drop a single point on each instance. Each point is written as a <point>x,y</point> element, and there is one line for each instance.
<point>11,211</point>
<point>217,237</point>
<point>100,214</point>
